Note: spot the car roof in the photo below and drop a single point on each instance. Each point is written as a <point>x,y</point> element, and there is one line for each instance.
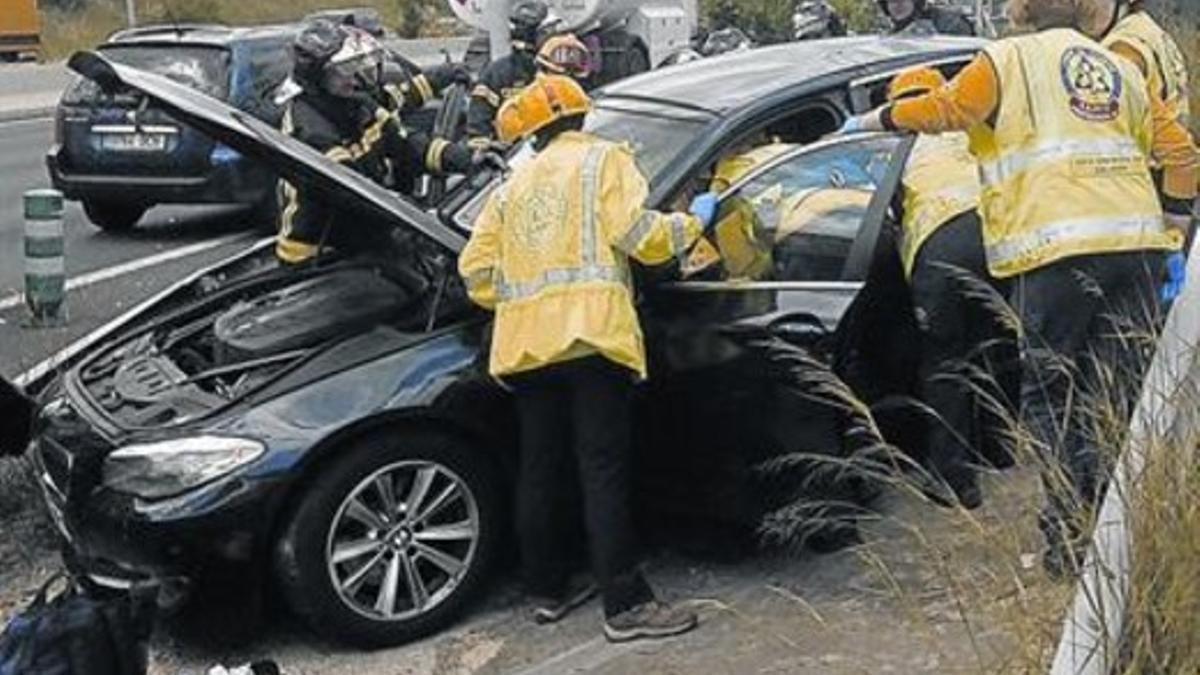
<point>732,81</point>
<point>214,35</point>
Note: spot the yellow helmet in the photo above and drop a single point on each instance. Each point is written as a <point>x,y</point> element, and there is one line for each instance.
<point>565,55</point>
<point>914,82</point>
<point>550,98</point>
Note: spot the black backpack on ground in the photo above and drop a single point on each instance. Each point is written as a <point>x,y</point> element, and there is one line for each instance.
<point>73,634</point>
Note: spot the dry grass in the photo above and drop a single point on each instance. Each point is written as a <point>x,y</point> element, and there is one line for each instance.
<point>982,570</point>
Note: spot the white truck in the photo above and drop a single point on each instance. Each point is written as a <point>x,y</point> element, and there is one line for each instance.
<point>626,37</point>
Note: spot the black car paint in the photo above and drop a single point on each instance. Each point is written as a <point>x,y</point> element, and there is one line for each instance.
<point>439,380</point>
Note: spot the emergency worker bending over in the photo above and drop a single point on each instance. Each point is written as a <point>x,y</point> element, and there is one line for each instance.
<point>551,254</point>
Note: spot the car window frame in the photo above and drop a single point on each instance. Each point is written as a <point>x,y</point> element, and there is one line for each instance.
<point>862,251</point>
<point>860,88</point>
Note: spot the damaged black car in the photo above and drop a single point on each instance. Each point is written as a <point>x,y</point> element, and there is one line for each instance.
<point>330,430</point>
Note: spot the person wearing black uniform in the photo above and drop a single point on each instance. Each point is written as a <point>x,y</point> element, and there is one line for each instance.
<point>345,98</point>
<point>918,17</point>
<point>504,77</point>
<point>16,414</point>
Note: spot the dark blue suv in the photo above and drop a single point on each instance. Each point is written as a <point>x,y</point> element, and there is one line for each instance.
<point>121,155</point>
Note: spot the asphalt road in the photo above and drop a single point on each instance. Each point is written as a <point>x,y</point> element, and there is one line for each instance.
<point>110,271</point>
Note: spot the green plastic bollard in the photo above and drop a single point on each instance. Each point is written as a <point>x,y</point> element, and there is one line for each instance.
<point>45,270</point>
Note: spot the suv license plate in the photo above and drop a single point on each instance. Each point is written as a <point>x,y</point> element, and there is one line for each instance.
<point>134,142</point>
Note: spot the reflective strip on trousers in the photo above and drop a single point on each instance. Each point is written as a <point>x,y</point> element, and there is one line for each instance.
<point>1014,248</point>
<point>1012,163</point>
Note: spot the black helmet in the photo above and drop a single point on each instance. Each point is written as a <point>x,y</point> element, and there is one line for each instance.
<point>338,59</point>
<point>918,8</point>
<point>526,19</point>
<point>313,48</point>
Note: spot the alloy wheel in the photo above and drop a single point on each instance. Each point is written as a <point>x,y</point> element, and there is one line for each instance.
<point>402,540</point>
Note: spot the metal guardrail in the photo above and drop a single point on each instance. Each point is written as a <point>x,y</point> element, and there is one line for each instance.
<point>1095,626</point>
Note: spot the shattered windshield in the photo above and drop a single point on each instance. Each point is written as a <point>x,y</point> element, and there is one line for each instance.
<point>205,69</point>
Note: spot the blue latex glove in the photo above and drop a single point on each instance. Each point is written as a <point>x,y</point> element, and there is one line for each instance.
<point>1176,274</point>
<point>853,125</point>
<point>704,207</point>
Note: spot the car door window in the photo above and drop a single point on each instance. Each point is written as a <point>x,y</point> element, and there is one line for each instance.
<point>798,218</point>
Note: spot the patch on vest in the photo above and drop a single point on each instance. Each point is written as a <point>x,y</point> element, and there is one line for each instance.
<point>541,219</point>
<point>1094,84</point>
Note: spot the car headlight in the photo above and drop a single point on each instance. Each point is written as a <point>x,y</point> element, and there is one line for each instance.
<point>168,468</point>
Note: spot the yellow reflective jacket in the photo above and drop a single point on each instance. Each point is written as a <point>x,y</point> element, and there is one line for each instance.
<point>941,181</point>
<point>745,249</point>
<point>550,254</point>
<point>1165,67</point>
<point>1065,167</point>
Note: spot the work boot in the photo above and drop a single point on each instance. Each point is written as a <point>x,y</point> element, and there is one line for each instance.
<point>552,610</point>
<point>654,619</point>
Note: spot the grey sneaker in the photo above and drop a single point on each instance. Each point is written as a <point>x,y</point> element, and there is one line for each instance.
<point>553,610</point>
<point>654,619</point>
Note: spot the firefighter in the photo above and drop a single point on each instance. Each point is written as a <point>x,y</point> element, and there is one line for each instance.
<point>1071,219</point>
<point>941,249</point>
<point>506,76</point>
<point>565,54</point>
<point>16,416</point>
<point>550,254</point>
<point>338,102</point>
<point>918,17</point>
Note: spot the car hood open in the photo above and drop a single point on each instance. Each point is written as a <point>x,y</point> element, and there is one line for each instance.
<point>288,157</point>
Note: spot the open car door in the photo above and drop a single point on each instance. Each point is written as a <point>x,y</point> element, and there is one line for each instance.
<point>803,238</point>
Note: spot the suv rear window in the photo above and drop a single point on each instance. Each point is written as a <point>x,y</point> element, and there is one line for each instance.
<point>205,69</point>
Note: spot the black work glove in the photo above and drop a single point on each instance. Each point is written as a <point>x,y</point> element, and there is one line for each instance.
<point>488,159</point>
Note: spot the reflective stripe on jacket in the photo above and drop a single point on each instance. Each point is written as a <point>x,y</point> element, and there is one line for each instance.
<point>1065,167</point>
<point>550,254</point>
<point>941,181</point>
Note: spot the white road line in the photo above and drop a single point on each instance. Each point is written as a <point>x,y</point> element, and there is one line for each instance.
<point>108,273</point>
<point>28,120</point>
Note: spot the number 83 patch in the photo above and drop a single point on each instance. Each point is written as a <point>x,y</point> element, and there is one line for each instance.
<point>1093,83</point>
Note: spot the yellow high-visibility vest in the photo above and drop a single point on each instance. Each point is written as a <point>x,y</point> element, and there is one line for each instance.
<point>745,251</point>
<point>1065,168</point>
<point>550,253</point>
<point>941,181</point>
<point>1167,69</point>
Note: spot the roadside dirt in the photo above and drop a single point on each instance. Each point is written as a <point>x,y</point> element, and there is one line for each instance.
<point>931,591</point>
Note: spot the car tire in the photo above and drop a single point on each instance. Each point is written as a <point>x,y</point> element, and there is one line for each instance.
<point>337,554</point>
<point>114,216</point>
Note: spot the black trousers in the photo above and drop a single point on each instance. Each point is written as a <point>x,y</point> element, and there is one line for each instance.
<point>571,414</point>
<point>1088,323</point>
<point>960,375</point>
